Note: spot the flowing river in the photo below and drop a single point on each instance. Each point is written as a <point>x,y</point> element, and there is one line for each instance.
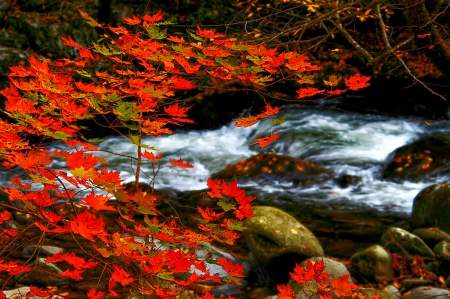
<point>345,142</point>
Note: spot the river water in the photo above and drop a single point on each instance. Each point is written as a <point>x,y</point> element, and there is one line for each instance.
<point>344,142</point>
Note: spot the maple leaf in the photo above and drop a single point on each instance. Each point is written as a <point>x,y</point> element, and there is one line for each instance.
<point>50,216</point>
<point>244,211</point>
<point>265,141</point>
<point>333,80</point>
<point>246,121</point>
<point>206,295</point>
<point>269,111</point>
<point>286,292</point>
<point>181,83</point>
<point>175,111</point>
<point>97,202</point>
<point>357,81</point>
<point>13,268</point>
<point>132,21</point>
<point>154,18</point>
<point>341,286</point>
<point>176,39</point>
<point>233,270</point>
<point>308,92</point>
<point>39,292</point>
<point>209,215</point>
<point>5,215</point>
<point>93,294</point>
<point>208,33</point>
<point>151,156</point>
<point>180,163</point>
<point>335,92</point>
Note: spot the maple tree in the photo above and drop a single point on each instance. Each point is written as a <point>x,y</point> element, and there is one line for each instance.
<point>391,39</point>
<point>144,69</point>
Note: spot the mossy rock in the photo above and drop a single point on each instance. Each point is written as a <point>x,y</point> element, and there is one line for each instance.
<point>431,207</point>
<point>374,263</point>
<point>404,243</point>
<point>425,158</point>
<point>271,166</point>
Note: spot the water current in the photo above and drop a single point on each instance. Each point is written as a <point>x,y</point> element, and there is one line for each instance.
<point>344,142</point>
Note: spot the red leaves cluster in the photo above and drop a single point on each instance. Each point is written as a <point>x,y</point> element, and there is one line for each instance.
<point>314,272</point>
<point>47,99</point>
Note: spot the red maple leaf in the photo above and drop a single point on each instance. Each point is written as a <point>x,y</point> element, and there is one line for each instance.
<point>132,21</point>
<point>5,215</point>
<point>246,121</point>
<point>244,211</point>
<point>97,202</point>
<point>154,18</point>
<point>357,81</point>
<point>341,286</point>
<point>308,92</point>
<point>286,292</point>
<point>180,163</point>
<point>176,39</point>
<point>269,111</point>
<point>233,270</point>
<point>93,294</point>
<point>265,141</point>
<point>208,33</point>
<point>151,156</point>
<point>39,292</point>
<point>209,215</point>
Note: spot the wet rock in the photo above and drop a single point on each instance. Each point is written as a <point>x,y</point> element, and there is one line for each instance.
<point>42,278</point>
<point>443,250</point>
<point>334,268</point>
<point>346,180</point>
<point>411,283</point>
<point>402,242</point>
<point>425,158</point>
<point>431,207</point>
<point>432,235</point>
<point>374,263</point>
<point>427,293</point>
<point>270,166</point>
<point>277,241</point>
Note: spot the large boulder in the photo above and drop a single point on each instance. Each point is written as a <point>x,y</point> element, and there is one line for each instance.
<point>271,166</point>
<point>422,159</point>
<point>277,241</point>
<point>431,207</point>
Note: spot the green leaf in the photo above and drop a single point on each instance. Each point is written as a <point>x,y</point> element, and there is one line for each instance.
<point>125,111</point>
<point>307,79</point>
<point>156,33</point>
<point>196,37</point>
<point>110,97</point>
<point>166,22</point>
<point>135,140</point>
<point>226,206</point>
<point>212,261</point>
<point>132,126</point>
<point>253,69</point>
<point>42,179</point>
<point>84,73</point>
<point>93,140</point>
<point>107,50</point>
<point>279,121</point>
<point>264,79</point>
<point>237,225</point>
<point>58,135</point>
<point>232,280</point>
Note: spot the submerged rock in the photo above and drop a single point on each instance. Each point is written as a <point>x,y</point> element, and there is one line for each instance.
<point>271,166</point>
<point>425,158</point>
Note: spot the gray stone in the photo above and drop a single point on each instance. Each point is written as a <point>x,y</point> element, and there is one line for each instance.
<point>414,282</point>
<point>400,241</point>
<point>374,263</point>
<point>273,232</point>
<point>427,293</point>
